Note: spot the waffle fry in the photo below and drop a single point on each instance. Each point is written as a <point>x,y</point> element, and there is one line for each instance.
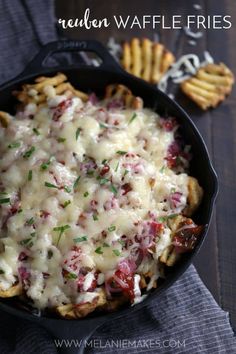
<point>4,119</point>
<point>185,233</point>
<point>73,311</point>
<point>38,92</point>
<point>169,256</point>
<point>14,290</point>
<point>115,304</point>
<point>121,92</point>
<point>146,59</point>
<point>195,194</point>
<point>209,86</point>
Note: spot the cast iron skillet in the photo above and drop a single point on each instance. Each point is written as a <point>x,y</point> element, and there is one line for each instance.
<point>95,79</point>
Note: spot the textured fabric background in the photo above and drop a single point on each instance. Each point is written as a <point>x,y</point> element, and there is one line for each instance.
<point>186,314</point>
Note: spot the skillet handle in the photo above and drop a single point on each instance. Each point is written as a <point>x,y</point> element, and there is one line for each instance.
<point>37,65</point>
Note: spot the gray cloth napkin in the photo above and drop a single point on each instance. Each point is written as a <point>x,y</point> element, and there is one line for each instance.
<point>185,319</point>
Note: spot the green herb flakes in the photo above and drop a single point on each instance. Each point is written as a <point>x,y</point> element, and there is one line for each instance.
<point>76,182</point>
<point>36,132</point>
<point>61,140</point>
<point>67,189</point>
<point>120,152</point>
<point>113,189</point>
<point>162,169</point>
<point>29,152</point>
<point>116,252</point>
<point>67,202</point>
<point>30,221</point>
<point>167,217</point>
<point>61,230</point>
<point>5,201</point>
<point>50,185</point>
<point>80,239</point>
<point>71,276</point>
<point>95,217</point>
<point>14,145</point>
<point>77,134</point>
<point>99,250</point>
<point>30,175</point>
<point>133,118</point>
<point>105,244</point>
<point>117,166</point>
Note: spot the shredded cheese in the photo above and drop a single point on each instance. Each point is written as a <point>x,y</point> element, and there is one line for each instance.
<point>84,186</point>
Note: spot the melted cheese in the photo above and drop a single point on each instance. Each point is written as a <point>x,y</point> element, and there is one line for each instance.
<point>68,215</point>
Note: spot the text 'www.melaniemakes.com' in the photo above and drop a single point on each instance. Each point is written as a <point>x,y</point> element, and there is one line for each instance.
<point>120,344</point>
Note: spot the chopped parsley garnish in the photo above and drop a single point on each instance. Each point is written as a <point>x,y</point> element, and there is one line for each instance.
<point>14,145</point>
<point>33,234</point>
<point>30,221</point>
<point>76,182</point>
<point>67,202</point>
<point>45,165</point>
<point>95,217</point>
<point>165,218</point>
<point>61,230</point>
<point>103,180</point>
<point>122,243</point>
<point>81,239</point>
<point>104,162</point>
<point>99,250</point>
<point>117,166</point>
<point>2,271</point>
<point>36,131</point>
<point>4,200</point>
<point>20,211</point>
<point>120,152</point>
<point>61,140</point>
<point>133,118</point>
<point>111,228</point>
<point>30,175</point>
<point>77,134</point>
<point>113,189</point>
<point>25,242</point>
<point>126,172</point>
<point>105,244</point>
<point>86,194</point>
<point>162,169</point>
<point>50,185</point>
<point>102,125</point>
<point>172,190</point>
<point>71,276</point>
<point>29,152</point>
<point>116,252</point>
<point>67,189</point>
<point>90,173</point>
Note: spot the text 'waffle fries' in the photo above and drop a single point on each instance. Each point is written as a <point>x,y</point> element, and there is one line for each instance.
<point>209,86</point>
<point>146,59</point>
<point>37,92</point>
